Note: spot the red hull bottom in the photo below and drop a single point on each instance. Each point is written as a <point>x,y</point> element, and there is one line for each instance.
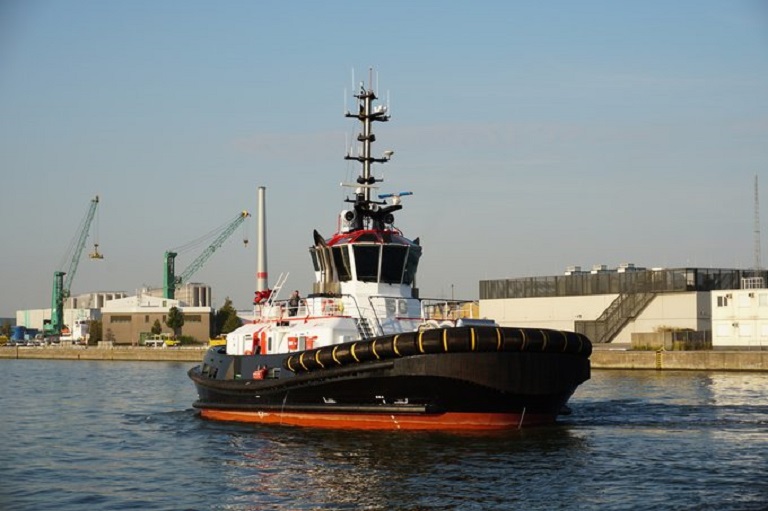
<point>436,422</point>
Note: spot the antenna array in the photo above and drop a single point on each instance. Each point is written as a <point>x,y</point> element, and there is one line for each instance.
<point>758,259</point>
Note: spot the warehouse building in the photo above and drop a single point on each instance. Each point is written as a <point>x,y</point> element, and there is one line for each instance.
<point>128,321</point>
<point>609,305</point>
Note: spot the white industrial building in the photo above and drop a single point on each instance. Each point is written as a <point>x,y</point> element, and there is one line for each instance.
<point>84,307</point>
<point>193,298</point>
<point>609,305</point>
<point>740,316</point>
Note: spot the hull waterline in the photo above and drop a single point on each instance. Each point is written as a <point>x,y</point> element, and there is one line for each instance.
<point>446,389</point>
<point>385,421</point>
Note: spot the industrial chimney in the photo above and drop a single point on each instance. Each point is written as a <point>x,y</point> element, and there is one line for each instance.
<point>262,278</point>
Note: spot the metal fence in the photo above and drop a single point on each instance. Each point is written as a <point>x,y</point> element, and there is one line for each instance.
<point>613,282</point>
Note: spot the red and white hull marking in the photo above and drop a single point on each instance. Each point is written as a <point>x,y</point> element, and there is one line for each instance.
<point>445,421</point>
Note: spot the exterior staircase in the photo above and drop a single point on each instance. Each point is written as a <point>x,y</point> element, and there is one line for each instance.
<point>626,307</point>
<point>364,328</point>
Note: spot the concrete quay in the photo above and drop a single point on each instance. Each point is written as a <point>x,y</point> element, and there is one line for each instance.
<point>608,358</point>
<point>94,353</point>
<point>603,357</point>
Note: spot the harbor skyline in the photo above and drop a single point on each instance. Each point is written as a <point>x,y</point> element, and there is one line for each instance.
<point>585,134</point>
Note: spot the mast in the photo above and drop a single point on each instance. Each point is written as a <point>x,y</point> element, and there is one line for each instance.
<point>367,252</point>
<point>366,209</point>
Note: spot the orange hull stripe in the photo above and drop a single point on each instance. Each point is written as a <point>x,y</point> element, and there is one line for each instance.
<point>445,421</point>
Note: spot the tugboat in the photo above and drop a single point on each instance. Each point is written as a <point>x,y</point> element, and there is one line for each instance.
<point>364,351</point>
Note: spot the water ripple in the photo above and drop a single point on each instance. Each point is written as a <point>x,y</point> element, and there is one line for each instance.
<point>113,435</point>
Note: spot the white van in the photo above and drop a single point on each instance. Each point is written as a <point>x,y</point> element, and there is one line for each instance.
<point>161,341</point>
<point>154,343</point>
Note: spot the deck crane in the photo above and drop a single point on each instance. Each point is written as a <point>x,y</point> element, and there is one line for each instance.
<point>171,281</point>
<point>62,285</point>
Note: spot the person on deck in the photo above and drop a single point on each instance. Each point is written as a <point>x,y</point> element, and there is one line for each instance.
<point>293,303</point>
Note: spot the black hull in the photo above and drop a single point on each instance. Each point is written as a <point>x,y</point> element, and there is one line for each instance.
<point>508,384</point>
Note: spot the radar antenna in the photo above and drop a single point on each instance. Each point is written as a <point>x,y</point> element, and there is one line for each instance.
<point>369,213</point>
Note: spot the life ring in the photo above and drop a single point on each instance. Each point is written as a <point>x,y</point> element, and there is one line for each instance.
<point>248,352</point>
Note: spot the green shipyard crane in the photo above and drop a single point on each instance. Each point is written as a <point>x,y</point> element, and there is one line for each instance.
<point>62,280</point>
<point>171,281</point>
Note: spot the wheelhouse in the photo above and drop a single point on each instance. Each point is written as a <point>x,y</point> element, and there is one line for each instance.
<point>384,257</point>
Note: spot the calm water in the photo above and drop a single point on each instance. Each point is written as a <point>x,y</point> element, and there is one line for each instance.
<point>122,435</point>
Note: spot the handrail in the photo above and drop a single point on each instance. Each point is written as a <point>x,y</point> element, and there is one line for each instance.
<point>453,310</point>
<point>615,317</point>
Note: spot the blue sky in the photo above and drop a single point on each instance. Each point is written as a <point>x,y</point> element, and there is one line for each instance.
<point>534,135</point>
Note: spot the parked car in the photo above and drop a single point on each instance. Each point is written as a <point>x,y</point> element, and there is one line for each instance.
<point>161,341</point>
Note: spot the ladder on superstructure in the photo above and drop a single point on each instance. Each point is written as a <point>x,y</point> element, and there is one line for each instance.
<point>276,290</point>
<point>364,328</point>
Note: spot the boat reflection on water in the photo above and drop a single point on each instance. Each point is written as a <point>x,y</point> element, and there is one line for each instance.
<point>382,470</point>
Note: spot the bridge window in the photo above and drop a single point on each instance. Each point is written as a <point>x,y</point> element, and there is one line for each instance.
<point>393,263</point>
<point>367,262</point>
<point>341,261</point>
<point>315,262</point>
<point>414,253</point>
